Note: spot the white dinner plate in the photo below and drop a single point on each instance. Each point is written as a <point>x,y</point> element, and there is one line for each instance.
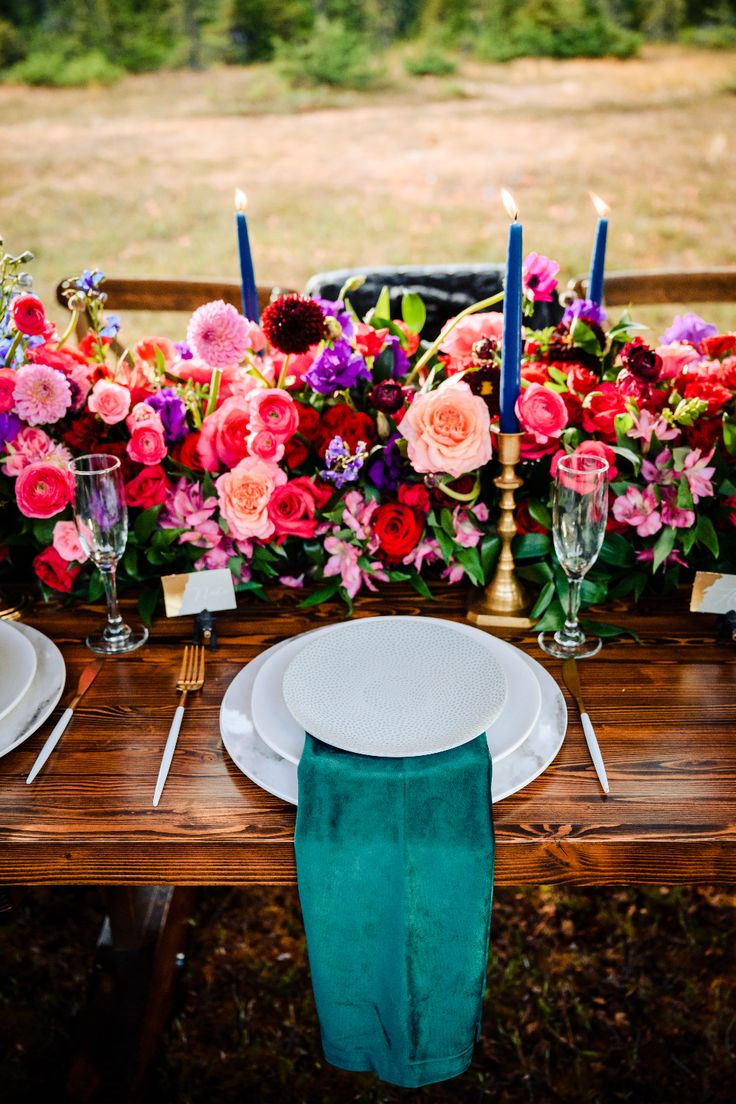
<point>17,666</point>
<point>275,724</point>
<point>278,776</point>
<point>41,696</point>
<point>395,686</point>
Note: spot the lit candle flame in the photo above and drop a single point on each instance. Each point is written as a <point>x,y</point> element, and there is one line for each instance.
<point>241,200</point>
<point>510,204</point>
<point>600,205</point>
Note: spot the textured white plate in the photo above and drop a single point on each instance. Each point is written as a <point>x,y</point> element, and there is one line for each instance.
<point>395,686</point>
<point>278,776</point>
<point>17,666</point>
<point>275,724</point>
<point>42,695</point>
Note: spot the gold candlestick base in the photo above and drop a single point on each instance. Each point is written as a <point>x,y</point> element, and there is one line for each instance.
<point>11,609</point>
<point>503,602</point>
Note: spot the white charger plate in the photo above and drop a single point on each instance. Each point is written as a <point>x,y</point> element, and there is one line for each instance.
<point>275,724</point>
<point>42,695</point>
<point>395,686</point>
<point>278,776</point>
<point>18,663</point>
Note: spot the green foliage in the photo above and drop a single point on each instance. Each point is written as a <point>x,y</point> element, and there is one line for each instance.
<point>255,24</point>
<point>59,71</point>
<point>431,62</point>
<point>11,44</point>
<point>552,28</point>
<point>333,54</point>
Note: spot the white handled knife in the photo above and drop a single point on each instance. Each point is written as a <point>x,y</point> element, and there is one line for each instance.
<point>87,677</point>
<point>572,682</point>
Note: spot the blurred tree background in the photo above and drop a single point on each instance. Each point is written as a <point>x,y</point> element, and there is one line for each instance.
<point>339,42</point>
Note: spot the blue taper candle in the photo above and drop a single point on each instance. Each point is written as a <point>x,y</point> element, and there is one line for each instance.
<point>248,289</point>
<point>511,349</point>
<point>598,258</point>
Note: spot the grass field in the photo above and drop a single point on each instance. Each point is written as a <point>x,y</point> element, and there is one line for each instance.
<point>595,997</point>
<point>138,179</point>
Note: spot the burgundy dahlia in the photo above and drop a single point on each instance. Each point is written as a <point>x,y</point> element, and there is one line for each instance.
<point>293,323</point>
<point>388,396</point>
<point>641,360</point>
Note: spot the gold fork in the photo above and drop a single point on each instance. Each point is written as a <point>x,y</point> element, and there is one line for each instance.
<point>191,677</point>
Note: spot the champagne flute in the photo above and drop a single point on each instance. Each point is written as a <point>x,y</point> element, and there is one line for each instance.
<point>102,523</point>
<point>578,527</point>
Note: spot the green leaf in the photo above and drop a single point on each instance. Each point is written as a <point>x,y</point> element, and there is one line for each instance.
<point>322,595</point>
<point>540,572</point>
<point>687,539</point>
<point>540,513</point>
<point>490,546</point>
<point>447,523</point>
<point>584,338</point>
<point>663,547</point>
<point>729,435</point>
<point>129,562</point>
<point>606,630</point>
<point>447,545</point>
<point>629,455</point>
<point>421,587</point>
<point>592,593</point>
<point>399,576</point>
<point>544,599</point>
<point>727,487</point>
<point>383,304</point>
<point>43,530</point>
<point>413,311</point>
<point>470,560</point>
<point>706,534</point>
<point>252,587</point>
<point>553,618</point>
<point>616,551</point>
<point>147,602</point>
<point>684,494</point>
<point>145,523</point>
<point>163,538</point>
<point>95,588</point>
<point>531,546</point>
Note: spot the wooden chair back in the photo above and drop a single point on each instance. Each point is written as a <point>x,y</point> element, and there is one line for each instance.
<point>167,295</point>
<point>715,285</point>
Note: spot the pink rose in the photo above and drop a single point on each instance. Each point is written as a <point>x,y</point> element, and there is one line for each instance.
<point>66,542</point>
<point>458,344</point>
<point>675,357</point>
<point>266,445</point>
<point>274,409</point>
<point>588,448</point>
<point>142,414</point>
<point>30,445</point>
<point>147,444</point>
<point>43,489</point>
<point>222,440</point>
<point>244,495</point>
<point>110,400</point>
<point>448,430</point>
<point>542,412</point>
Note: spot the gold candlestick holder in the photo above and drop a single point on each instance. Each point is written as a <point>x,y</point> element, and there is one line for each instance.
<point>504,602</point>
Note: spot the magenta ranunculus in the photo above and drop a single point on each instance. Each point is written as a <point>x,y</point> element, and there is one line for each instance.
<point>542,412</point>
<point>222,441</point>
<point>273,409</point>
<point>147,444</point>
<point>43,489</point>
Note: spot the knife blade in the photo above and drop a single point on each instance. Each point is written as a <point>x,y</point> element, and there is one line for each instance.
<point>87,677</point>
<point>571,676</point>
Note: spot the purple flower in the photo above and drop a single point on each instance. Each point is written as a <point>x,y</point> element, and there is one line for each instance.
<point>111,327</point>
<point>342,465</point>
<point>10,427</point>
<point>337,367</point>
<point>89,280</point>
<point>401,360</point>
<point>585,309</point>
<point>387,467</point>
<point>172,412</point>
<point>335,308</point>
<point>185,353</point>
<point>688,327</point>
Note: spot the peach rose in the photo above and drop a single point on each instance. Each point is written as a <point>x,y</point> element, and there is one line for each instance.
<point>458,344</point>
<point>66,542</point>
<point>675,357</point>
<point>542,412</point>
<point>222,440</point>
<point>147,444</point>
<point>448,430</point>
<point>43,489</point>
<point>110,400</point>
<point>273,409</point>
<point>244,496</point>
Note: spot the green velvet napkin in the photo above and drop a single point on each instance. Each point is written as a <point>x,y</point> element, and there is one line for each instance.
<point>395,873</point>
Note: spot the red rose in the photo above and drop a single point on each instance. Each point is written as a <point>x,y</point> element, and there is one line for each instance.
<point>601,409</point>
<point>525,523</point>
<point>397,528</point>
<point>308,420</point>
<point>186,453</point>
<point>54,571</point>
<point>342,421</point>
<point>415,495</point>
<point>713,393</point>
<point>29,315</point>
<point>719,346</point>
<point>574,406</point>
<point>292,507</point>
<point>118,449</point>
<point>295,453</point>
<point>83,434</point>
<point>149,488</point>
<point>580,380</point>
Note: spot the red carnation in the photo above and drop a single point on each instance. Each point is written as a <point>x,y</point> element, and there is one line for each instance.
<point>293,323</point>
<point>709,391</point>
<point>415,495</point>
<point>54,571</point>
<point>397,528</point>
<point>342,421</point>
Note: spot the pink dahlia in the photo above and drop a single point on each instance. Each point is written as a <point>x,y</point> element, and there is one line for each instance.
<point>218,335</point>
<point>42,395</point>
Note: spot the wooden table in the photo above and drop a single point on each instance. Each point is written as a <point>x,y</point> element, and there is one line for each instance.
<point>664,711</point>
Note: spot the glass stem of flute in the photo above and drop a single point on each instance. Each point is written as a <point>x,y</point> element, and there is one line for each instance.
<point>108,571</point>
<point>572,629</point>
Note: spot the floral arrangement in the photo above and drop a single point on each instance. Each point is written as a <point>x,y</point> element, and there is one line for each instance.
<point>331,453</point>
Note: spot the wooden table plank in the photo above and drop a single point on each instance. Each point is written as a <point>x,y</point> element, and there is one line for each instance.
<point>664,710</point>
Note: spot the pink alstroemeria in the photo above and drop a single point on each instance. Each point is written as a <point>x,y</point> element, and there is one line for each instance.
<point>647,425</point>
<point>293,581</point>
<point>639,508</point>
<point>466,534</point>
<point>672,514</point>
<point>539,278</point>
<point>454,572</point>
<point>426,551</point>
<point>357,514</point>
<point>188,509</point>
<point>698,474</point>
<point>660,471</point>
<point>343,561</point>
<point>647,555</point>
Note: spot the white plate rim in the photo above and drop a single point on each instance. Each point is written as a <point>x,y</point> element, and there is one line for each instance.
<point>26,647</point>
<point>32,634</point>
<point>493,643</point>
